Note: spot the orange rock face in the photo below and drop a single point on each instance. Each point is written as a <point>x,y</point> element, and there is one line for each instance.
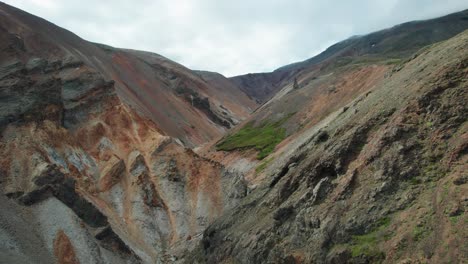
<point>63,249</point>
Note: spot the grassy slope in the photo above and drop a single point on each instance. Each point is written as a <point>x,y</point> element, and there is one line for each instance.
<point>263,138</point>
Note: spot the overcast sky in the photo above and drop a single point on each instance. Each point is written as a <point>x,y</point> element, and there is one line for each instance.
<point>233,36</point>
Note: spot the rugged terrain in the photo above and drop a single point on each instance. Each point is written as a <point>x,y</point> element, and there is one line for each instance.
<point>176,99</point>
<point>381,180</point>
<point>94,143</point>
<point>318,88</point>
<point>357,155</point>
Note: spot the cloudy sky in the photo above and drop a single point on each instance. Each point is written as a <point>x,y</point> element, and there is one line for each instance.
<point>233,36</point>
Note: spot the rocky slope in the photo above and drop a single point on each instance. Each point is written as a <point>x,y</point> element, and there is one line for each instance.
<point>319,87</point>
<point>175,98</point>
<point>93,148</point>
<point>380,180</point>
<point>394,43</point>
<point>115,156</point>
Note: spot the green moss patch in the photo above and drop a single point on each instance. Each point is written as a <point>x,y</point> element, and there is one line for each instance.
<point>366,244</point>
<point>263,138</point>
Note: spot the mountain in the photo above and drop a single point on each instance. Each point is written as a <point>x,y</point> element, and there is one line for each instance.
<point>94,148</point>
<point>175,98</point>
<point>380,180</point>
<point>394,43</point>
<point>358,155</point>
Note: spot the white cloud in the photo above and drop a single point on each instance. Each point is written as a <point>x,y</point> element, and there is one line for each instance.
<point>231,37</point>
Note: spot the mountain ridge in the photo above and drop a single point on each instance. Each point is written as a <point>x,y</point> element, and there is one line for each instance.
<point>120,65</point>
<point>270,82</point>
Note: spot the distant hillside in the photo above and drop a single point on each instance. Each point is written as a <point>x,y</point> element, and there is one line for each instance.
<point>174,97</point>
<point>397,42</point>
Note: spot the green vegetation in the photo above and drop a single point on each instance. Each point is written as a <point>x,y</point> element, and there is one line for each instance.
<point>401,246</point>
<point>415,181</point>
<point>263,138</point>
<point>420,232</point>
<point>445,191</point>
<point>263,165</point>
<point>454,219</point>
<point>384,222</point>
<point>433,169</point>
<point>393,61</point>
<point>366,244</point>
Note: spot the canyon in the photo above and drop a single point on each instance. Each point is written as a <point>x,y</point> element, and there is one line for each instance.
<point>357,155</point>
